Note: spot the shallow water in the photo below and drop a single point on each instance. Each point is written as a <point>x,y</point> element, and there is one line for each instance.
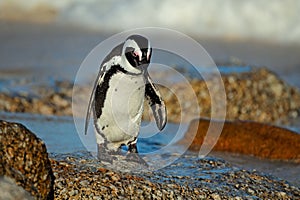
<point>61,137</point>
<point>58,133</point>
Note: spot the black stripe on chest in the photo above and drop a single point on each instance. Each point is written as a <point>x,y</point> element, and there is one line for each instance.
<point>152,95</point>
<point>101,89</point>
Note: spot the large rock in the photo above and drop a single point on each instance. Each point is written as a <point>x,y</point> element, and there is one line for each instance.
<point>246,137</point>
<point>24,157</point>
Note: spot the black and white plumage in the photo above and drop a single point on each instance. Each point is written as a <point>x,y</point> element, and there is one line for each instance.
<point>117,99</point>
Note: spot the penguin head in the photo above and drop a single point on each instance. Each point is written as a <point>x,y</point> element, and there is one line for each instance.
<point>137,51</point>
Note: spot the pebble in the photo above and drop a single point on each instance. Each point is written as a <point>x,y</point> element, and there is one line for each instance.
<point>210,179</point>
<point>55,100</point>
<point>258,95</point>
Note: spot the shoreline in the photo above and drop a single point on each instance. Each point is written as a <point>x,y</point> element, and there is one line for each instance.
<point>38,123</point>
<point>258,95</point>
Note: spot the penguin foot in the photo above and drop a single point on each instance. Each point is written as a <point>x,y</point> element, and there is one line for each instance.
<point>105,155</point>
<point>134,157</point>
<point>106,158</point>
<point>132,148</point>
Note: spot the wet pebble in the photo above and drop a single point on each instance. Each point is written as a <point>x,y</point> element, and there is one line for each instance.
<point>258,95</point>
<point>210,179</point>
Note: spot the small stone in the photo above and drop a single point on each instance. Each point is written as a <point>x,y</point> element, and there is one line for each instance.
<point>250,191</point>
<point>238,198</point>
<point>231,79</point>
<point>293,114</point>
<point>59,101</point>
<point>277,89</point>
<point>281,194</point>
<point>215,196</point>
<point>84,183</point>
<point>73,192</point>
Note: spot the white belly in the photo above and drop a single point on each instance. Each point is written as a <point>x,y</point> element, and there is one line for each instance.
<point>123,107</point>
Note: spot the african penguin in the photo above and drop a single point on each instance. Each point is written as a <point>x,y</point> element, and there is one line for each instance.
<point>117,99</point>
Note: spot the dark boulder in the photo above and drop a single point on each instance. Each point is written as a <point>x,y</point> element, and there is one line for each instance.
<point>24,157</point>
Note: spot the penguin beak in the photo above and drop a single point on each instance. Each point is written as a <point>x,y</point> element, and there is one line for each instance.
<point>144,58</point>
<point>143,61</point>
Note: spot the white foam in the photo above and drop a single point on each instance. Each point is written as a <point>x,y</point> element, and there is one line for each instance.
<point>259,19</point>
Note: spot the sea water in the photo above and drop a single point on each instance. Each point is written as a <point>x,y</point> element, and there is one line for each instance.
<point>259,19</point>
<point>62,139</point>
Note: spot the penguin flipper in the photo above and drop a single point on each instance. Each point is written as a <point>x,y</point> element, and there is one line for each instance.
<point>89,108</point>
<point>156,103</point>
<point>115,51</point>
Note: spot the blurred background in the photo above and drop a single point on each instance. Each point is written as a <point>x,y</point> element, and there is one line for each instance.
<point>41,33</point>
<point>43,41</point>
<point>274,20</point>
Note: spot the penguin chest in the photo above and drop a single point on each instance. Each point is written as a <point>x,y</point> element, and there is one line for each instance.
<point>123,107</point>
<point>126,96</point>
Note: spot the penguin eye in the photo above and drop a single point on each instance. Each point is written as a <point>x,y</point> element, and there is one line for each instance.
<point>135,54</point>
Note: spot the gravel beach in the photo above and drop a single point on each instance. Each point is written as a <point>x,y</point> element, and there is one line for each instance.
<point>258,95</point>
<point>208,178</point>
